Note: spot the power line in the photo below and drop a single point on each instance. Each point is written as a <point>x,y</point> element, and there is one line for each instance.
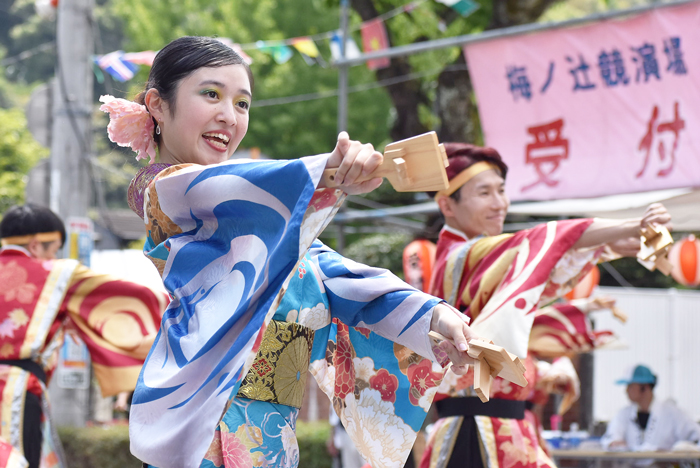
<point>356,88</point>
<point>28,53</point>
<point>329,34</point>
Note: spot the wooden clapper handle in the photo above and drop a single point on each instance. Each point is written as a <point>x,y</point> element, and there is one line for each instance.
<point>653,254</point>
<point>416,164</point>
<point>490,361</point>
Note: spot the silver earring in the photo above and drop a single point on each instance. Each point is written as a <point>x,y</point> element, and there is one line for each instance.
<point>158,129</point>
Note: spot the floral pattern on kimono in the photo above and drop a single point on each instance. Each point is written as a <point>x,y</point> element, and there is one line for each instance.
<point>381,389</point>
<point>39,302</point>
<point>231,245</point>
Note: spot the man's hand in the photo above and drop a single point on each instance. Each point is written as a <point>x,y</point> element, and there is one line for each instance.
<point>121,404</point>
<point>656,213</point>
<point>354,159</point>
<point>627,247</point>
<point>617,445</point>
<point>452,324</point>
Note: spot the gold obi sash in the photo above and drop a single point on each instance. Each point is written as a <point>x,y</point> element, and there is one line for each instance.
<point>278,374</point>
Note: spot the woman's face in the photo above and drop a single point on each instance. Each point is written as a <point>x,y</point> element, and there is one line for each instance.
<point>482,206</point>
<point>210,117</point>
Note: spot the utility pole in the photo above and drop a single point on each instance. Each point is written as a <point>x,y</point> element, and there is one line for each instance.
<point>69,191</point>
<point>343,70</point>
<point>70,146</point>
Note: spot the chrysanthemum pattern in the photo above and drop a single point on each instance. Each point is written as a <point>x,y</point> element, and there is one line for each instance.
<point>214,453</point>
<point>376,430</point>
<point>344,355</point>
<point>234,452</point>
<point>315,317</point>
<point>290,374</point>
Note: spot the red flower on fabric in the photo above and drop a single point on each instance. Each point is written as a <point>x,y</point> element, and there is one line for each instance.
<point>14,278</point>
<point>323,198</point>
<point>344,367</point>
<point>363,331</point>
<point>422,378</point>
<point>386,384</point>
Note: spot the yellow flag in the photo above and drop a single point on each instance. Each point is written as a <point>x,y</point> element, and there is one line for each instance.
<point>306,46</point>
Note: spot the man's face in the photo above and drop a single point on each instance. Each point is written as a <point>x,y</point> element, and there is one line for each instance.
<point>635,392</point>
<point>45,250</point>
<point>482,206</point>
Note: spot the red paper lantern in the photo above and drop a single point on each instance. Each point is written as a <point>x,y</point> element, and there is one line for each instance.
<point>418,261</point>
<point>585,287</point>
<point>54,3</point>
<point>685,258</point>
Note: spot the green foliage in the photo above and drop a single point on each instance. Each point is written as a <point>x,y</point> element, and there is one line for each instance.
<point>380,250</point>
<point>638,276</point>
<point>312,439</point>
<point>280,131</point>
<point>18,154</point>
<point>90,447</point>
<point>27,31</point>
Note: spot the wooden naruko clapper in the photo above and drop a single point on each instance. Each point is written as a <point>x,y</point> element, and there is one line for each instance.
<point>416,164</point>
<point>490,361</point>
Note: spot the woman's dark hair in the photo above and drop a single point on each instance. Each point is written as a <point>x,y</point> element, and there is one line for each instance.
<point>463,155</point>
<point>30,219</point>
<point>182,57</point>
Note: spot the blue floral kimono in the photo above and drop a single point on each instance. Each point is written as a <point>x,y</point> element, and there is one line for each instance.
<point>257,303</point>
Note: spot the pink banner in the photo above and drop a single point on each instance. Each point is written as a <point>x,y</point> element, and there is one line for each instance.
<point>611,107</point>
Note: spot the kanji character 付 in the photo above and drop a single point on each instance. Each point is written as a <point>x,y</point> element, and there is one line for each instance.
<point>646,143</point>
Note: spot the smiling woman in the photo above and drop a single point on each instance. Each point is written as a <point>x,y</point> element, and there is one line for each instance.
<point>257,299</point>
<point>213,107</point>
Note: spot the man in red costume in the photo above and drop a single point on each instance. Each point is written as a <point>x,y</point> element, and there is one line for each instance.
<point>500,281</point>
<point>41,297</point>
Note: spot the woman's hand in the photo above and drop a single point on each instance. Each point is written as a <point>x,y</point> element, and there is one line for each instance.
<point>452,324</point>
<point>353,160</point>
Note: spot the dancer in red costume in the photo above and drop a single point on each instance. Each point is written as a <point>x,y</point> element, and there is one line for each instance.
<point>40,297</point>
<point>500,281</point>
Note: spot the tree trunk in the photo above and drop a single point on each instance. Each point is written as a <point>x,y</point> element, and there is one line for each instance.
<point>459,118</point>
<point>455,106</point>
<point>406,96</point>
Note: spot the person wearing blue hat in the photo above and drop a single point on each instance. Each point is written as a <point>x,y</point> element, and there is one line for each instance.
<point>648,424</point>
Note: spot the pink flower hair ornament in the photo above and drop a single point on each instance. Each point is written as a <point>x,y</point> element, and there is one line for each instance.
<point>130,125</point>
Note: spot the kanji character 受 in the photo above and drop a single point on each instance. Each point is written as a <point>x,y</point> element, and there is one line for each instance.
<point>546,152</point>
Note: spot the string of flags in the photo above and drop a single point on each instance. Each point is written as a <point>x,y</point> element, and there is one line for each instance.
<point>122,66</point>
